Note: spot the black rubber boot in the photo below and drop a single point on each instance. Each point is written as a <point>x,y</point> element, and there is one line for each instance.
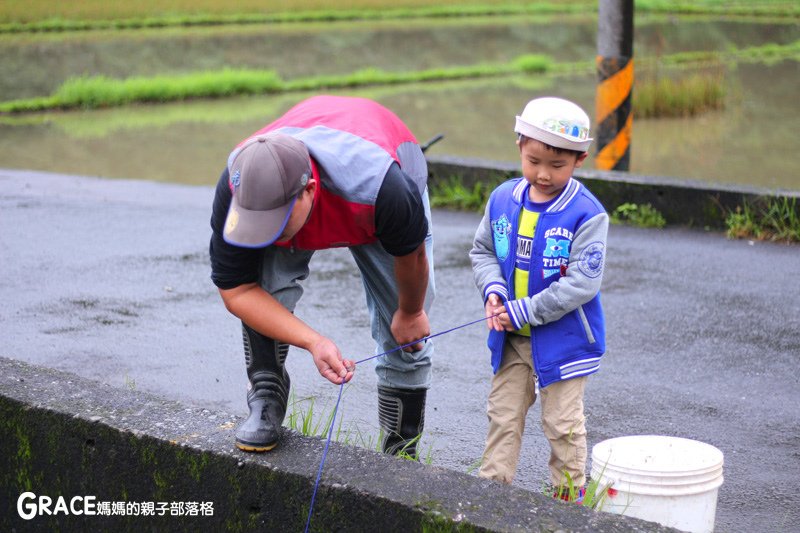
<point>401,413</point>
<point>268,393</point>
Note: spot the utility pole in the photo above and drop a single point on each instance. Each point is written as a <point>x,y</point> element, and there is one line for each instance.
<point>615,86</point>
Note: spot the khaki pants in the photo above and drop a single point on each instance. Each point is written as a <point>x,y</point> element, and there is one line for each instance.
<point>513,393</point>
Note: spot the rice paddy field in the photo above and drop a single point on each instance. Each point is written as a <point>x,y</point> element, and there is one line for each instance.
<point>163,90</point>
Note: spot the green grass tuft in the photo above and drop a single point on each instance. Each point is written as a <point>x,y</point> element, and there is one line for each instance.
<point>100,91</point>
<point>683,97</point>
<point>767,219</point>
<point>453,194</point>
<point>643,216</point>
<point>310,422</point>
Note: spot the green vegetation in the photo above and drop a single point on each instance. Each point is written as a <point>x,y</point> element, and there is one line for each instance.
<point>453,194</point>
<point>666,97</point>
<point>100,91</point>
<point>594,496</point>
<point>643,216</point>
<point>768,219</point>
<point>689,96</point>
<point>758,8</point>
<point>765,53</point>
<point>475,466</point>
<point>129,16</point>
<point>303,418</point>
<point>45,16</point>
<point>666,86</point>
<point>23,459</point>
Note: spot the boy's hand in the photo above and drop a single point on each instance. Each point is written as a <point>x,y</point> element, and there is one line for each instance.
<point>518,315</point>
<point>505,321</point>
<point>494,308</point>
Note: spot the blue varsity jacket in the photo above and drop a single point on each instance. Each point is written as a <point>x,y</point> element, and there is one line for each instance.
<point>567,260</point>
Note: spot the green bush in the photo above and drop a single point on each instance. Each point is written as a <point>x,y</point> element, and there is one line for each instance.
<point>643,216</point>
<point>454,194</point>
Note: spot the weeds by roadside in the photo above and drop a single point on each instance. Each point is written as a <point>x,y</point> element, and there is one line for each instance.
<point>311,421</point>
<point>453,194</point>
<point>643,216</point>
<point>768,219</point>
<point>594,496</point>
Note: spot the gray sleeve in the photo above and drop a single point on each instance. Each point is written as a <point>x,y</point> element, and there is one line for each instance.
<point>485,268</point>
<point>582,281</point>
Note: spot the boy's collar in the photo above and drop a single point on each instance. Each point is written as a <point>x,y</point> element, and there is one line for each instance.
<point>558,204</point>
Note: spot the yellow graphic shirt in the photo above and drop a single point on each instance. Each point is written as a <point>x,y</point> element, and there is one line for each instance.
<point>525,232</point>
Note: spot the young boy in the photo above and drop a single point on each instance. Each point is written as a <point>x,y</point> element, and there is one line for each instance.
<point>538,260</point>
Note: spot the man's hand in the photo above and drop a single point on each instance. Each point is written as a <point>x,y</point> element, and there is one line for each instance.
<point>330,363</point>
<point>410,321</point>
<point>262,312</point>
<point>409,327</point>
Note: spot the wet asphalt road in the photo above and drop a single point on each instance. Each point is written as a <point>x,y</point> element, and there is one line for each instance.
<point>109,280</point>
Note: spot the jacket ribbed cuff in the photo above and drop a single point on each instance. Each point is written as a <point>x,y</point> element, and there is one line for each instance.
<point>517,312</point>
<point>495,288</point>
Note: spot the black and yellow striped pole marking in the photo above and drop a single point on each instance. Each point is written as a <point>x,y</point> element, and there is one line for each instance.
<point>614,117</point>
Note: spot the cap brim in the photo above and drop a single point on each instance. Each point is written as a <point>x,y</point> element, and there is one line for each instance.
<point>255,229</point>
<point>548,137</point>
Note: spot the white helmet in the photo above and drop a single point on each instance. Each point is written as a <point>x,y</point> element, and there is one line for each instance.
<point>556,122</point>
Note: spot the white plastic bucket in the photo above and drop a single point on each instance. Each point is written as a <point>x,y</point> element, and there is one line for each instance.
<point>669,480</point>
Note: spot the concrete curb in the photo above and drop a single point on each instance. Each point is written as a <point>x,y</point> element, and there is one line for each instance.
<point>681,201</point>
<point>66,436</point>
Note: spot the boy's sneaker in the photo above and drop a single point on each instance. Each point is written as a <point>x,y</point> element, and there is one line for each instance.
<point>563,493</point>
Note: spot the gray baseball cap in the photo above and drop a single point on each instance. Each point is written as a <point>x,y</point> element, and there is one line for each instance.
<point>267,173</point>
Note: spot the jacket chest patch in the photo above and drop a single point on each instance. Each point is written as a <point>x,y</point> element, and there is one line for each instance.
<point>564,233</point>
<point>501,229</point>
<point>555,257</point>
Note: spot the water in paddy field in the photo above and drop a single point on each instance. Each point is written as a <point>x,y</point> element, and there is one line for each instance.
<point>751,141</point>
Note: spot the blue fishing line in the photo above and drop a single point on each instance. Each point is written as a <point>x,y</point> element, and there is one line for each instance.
<point>341,388</point>
<point>324,455</point>
<point>423,339</point>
